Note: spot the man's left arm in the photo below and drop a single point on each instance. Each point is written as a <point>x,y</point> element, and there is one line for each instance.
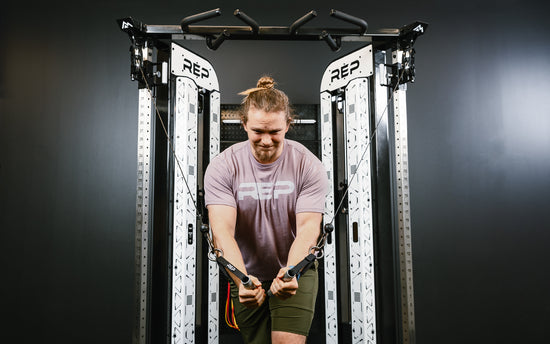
<point>309,207</point>
<point>308,227</point>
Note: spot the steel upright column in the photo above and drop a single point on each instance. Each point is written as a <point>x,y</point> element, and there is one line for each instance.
<point>143,212</point>
<point>403,205</point>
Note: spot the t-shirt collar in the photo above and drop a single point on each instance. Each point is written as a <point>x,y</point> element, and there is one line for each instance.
<point>271,164</point>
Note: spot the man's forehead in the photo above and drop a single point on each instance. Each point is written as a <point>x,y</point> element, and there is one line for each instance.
<point>264,119</point>
<point>266,125</point>
<point>258,113</point>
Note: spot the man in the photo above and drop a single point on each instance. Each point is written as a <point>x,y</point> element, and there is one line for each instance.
<point>265,199</point>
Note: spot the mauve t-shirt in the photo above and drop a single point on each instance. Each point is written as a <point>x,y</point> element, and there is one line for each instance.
<point>267,198</point>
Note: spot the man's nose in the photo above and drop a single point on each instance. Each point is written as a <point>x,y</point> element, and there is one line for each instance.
<point>266,140</point>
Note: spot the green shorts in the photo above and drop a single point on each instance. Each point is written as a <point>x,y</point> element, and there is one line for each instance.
<point>293,315</point>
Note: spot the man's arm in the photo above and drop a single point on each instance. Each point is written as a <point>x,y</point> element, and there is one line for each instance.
<point>307,233</point>
<point>222,221</point>
<point>308,229</point>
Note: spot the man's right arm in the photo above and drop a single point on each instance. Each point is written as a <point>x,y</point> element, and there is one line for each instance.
<point>222,221</point>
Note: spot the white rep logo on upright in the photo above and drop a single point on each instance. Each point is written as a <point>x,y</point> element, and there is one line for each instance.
<point>265,190</point>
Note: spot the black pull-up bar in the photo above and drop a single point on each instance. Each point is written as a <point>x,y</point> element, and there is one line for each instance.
<point>258,32</point>
<point>215,35</point>
<point>267,30</point>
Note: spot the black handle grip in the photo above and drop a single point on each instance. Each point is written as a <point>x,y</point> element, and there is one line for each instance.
<point>300,22</point>
<point>215,44</point>
<point>350,19</point>
<point>289,274</point>
<point>185,22</point>
<point>330,41</point>
<point>247,282</point>
<point>251,22</point>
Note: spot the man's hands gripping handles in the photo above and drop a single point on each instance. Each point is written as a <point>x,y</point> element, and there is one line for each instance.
<point>251,293</point>
<point>285,284</point>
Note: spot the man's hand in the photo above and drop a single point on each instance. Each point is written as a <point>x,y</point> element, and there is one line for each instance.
<point>283,290</point>
<point>252,298</point>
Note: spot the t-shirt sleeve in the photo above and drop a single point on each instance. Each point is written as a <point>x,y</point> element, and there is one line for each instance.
<point>311,197</point>
<point>218,183</point>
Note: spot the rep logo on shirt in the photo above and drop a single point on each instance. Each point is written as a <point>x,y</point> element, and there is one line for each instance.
<point>265,190</point>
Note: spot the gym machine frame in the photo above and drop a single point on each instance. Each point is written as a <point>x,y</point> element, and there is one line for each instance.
<point>369,297</point>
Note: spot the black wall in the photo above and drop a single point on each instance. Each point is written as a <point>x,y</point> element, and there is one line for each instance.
<point>479,143</point>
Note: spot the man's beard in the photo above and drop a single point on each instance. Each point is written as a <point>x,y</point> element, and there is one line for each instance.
<point>265,156</point>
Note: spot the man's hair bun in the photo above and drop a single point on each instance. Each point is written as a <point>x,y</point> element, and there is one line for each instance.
<point>266,82</point>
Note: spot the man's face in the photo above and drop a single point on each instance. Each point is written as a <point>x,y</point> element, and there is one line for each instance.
<point>266,132</point>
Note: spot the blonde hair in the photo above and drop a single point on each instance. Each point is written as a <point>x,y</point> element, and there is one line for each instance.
<point>265,97</point>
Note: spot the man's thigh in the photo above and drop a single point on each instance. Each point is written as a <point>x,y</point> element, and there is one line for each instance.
<point>254,324</point>
<point>295,314</point>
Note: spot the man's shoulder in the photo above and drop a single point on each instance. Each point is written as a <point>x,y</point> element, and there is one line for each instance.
<point>235,150</point>
<point>300,150</point>
<point>224,161</point>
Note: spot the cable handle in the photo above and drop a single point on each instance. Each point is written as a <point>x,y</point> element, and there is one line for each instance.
<point>295,271</point>
<point>246,281</point>
<point>289,274</point>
